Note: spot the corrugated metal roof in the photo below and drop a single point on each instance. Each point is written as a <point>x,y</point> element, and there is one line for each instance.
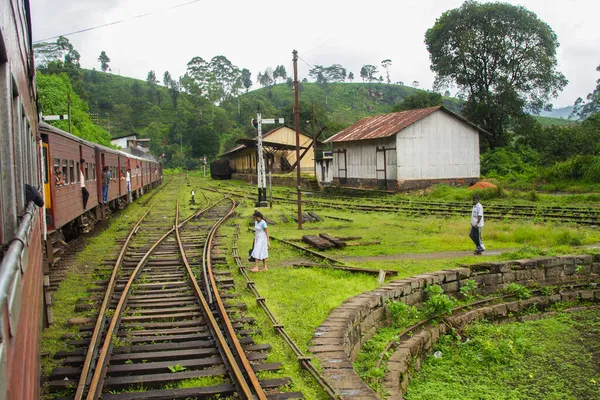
<point>386,125</point>
<point>381,126</point>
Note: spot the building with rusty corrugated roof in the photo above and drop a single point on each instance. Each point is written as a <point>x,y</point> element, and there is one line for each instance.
<point>279,146</point>
<point>407,150</point>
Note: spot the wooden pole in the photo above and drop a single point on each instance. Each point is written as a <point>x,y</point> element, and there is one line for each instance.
<point>297,117</point>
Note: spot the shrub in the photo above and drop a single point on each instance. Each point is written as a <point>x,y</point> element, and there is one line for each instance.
<point>469,288</point>
<point>400,313</point>
<point>438,303</point>
<point>518,290</point>
<point>568,239</point>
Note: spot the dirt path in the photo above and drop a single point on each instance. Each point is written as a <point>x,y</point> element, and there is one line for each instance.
<point>440,255</point>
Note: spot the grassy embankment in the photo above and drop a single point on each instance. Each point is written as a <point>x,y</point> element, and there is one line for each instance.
<point>551,359</point>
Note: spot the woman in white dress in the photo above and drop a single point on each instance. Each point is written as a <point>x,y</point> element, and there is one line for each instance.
<point>261,242</point>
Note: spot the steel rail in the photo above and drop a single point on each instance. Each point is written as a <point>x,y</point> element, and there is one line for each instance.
<point>223,313</point>
<point>96,336</point>
<point>222,342</point>
<point>305,361</point>
<point>495,211</point>
<point>95,387</point>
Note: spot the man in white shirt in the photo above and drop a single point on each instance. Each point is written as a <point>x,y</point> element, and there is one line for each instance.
<point>84,192</point>
<point>128,181</point>
<point>476,225</point>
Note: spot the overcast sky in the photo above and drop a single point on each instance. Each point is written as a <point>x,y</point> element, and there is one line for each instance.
<point>263,33</point>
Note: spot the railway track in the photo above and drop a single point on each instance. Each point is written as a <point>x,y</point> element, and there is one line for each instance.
<point>567,214</point>
<point>168,326</point>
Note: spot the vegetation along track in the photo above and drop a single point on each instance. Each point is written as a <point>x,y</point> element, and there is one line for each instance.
<point>163,334</point>
<point>565,214</point>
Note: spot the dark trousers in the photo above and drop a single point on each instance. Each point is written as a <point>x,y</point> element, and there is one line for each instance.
<point>86,195</point>
<point>475,236</point>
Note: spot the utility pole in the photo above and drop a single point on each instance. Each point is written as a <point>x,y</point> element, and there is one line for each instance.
<point>297,117</point>
<point>69,110</point>
<point>314,143</point>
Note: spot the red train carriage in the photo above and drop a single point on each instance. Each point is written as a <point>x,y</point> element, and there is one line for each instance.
<point>62,155</point>
<point>21,222</point>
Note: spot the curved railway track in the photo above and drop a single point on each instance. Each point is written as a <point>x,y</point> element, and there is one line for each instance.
<point>163,333</point>
<point>564,214</point>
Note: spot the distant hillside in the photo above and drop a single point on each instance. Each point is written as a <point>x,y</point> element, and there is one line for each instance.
<point>549,121</point>
<point>344,103</point>
<point>564,112</point>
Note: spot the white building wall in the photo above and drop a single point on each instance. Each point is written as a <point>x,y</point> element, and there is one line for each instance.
<point>122,142</point>
<point>438,147</point>
<point>361,158</point>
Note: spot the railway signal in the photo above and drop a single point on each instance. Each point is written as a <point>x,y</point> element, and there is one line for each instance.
<point>260,163</point>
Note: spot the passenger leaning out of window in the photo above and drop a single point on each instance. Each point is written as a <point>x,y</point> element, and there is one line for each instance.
<point>59,180</point>
<point>85,195</point>
<point>106,178</point>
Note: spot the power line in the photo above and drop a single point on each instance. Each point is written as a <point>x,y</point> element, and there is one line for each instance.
<point>119,21</point>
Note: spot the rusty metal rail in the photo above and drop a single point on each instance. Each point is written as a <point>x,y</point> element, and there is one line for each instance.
<point>100,321</point>
<point>249,389</point>
<point>305,361</point>
<point>97,380</point>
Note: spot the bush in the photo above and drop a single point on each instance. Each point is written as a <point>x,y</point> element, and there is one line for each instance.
<point>438,304</point>
<point>469,288</point>
<point>567,238</point>
<point>400,313</point>
<point>510,163</point>
<point>518,290</point>
<point>574,168</point>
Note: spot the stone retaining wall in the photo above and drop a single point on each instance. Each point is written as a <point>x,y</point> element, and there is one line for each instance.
<point>407,358</point>
<point>337,342</point>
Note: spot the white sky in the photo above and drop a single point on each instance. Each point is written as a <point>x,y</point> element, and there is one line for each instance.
<point>263,33</point>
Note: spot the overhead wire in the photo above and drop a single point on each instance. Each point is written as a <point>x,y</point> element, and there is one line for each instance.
<point>119,21</point>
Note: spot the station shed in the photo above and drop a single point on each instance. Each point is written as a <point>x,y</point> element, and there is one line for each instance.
<point>407,150</point>
<point>279,146</point>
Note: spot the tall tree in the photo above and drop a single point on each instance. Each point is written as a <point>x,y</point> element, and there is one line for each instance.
<point>104,60</point>
<point>167,78</point>
<point>151,78</point>
<point>583,109</point>
<point>266,78</point>
<point>61,50</point>
<point>351,76</point>
<point>246,79</point>
<point>280,73</point>
<point>502,56</point>
<point>386,64</point>
<point>368,72</point>
<point>415,84</point>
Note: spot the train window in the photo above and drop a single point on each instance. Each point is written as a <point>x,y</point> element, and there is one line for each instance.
<point>77,172</point>
<point>94,171</point>
<point>72,172</point>
<point>44,168</point>
<point>59,178</point>
<point>86,171</point>
<point>65,172</point>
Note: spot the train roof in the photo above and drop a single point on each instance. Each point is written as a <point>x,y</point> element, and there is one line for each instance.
<point>46,126</point>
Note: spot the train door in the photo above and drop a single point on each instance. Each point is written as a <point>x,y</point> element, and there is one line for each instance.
<point>45,174</point>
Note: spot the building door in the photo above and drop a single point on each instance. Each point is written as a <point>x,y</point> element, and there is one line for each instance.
<point>380,168</point>
<point>342,168</point>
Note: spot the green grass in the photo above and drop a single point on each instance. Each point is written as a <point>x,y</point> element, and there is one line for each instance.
<point>552,358</point>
